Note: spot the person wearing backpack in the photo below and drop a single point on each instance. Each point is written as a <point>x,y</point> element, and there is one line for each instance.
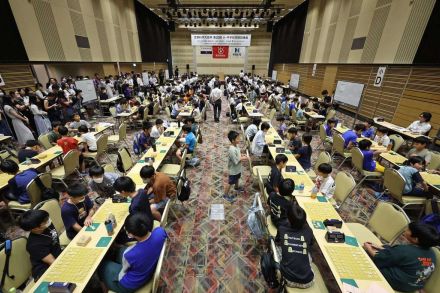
<point>280,202</point>
<point>295,239</point>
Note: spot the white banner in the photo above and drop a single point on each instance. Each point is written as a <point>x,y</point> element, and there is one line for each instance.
<point>274,74</point>
<point>379,76</point>
<point>221,40</point>
<point>294,80</point>
<point>2,81</point>
<point>88,90</point>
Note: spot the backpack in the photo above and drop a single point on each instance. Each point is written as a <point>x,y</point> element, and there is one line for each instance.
<point>254,222</point>
<point>433,219</point>
<point>8,250</point>
<point>137,146</point>
<point>193,162</point>
<point>46,192</point>
<point>185,191</point>
<point>268,269</point>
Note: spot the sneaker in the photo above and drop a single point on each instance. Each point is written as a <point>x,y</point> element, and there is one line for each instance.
<point>227,197</point>
<point>232,199</point>
<point>239,189</point>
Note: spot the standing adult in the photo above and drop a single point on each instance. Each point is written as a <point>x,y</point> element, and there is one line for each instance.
<point>42,122</point>
<point>161,76</point>
<point>176,72</point>
<point>19,122</point>
<point>216,100</point>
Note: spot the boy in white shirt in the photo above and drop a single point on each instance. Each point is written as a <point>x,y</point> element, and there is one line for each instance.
<point>325,183</point>
<point>157,129</point>
<point>382,137</point>
<point>88,139</point>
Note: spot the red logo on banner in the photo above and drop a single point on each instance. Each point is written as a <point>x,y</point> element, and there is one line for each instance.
<point>220,51</point>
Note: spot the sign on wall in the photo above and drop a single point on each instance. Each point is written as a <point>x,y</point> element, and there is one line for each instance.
<point>88,90</point>
<point>2,81</point>
<point>274,74</point>
<point>237,52</point>
<point>314,69</point>
<point>379,76</point>
<point>221,40</point>
<point>220,52</point>
<point>205,50</point>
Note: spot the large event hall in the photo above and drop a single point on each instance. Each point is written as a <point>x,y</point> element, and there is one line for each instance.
<point>220,146</point>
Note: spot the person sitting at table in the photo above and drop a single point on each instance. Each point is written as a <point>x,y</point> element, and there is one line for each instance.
<point>350,137</point>
<point>422,125</point>
<point>77,122</point>
<point>280,201</point>
<point>414,183</point>
<point>329,126</point>
<point>144,138</point>
<point>43,244</point>
<point>139,199</point>
<point>17,184</point>
<point>176,108</point>
<point>134,265</point>
<point>382,138</point>
<point>304,154</point>
<point>275,177</point>
<point>103,94</point>
<point>368,132</point>
<point>160,188</point>
<point>31,149</point>
<point>77,211</point>
<point>191,123</point>
<point>102,182</point>
<point>369,163</point>
<point>196,114</point>
<point>295,239</point>
<point>252,129</point>
<point>54,134</point>
<point>407,267</point>
<point>300,112</point>
<point>157,129</point>
<point>189,143</point>
<point>122,106</point>
<point>88,140</point>
<point>282,127</point>
<point>324,182</point>
<point>294,141</point>
<point>420,148</point>
<point>259,146</point>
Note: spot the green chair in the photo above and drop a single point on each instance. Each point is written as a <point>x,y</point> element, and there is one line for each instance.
<point>19,264</point>
<point>323,157</point>
<point>358,162</point>
<point>339,149</point>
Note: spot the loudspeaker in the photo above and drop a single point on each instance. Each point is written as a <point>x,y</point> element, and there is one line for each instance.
<point>269,26</point>
<point>187,66</point>
<point>253,67</point>
<point>171,26</point>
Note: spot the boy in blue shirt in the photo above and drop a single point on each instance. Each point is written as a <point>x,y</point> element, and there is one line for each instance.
<point>351,136</point>
<point>190,142</point>
<point>329,126</point>
<point>17,184</point>
<point>369,163</point>
<point>134,265</point>
<point>414,183</point>
<point>368,131</point>
<point>145,139</point>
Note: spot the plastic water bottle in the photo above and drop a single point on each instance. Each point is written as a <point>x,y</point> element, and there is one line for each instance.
<point>301,187</point>
<point>150,161</point>
<point>28,161</point>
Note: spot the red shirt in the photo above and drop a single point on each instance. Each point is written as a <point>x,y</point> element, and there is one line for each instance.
<point>67,144</point>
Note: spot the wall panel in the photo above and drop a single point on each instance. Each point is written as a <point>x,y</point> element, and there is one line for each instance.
<point>16,76</point>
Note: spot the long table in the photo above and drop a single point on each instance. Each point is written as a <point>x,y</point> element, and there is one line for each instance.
<point>349,262</point>
<point>252,111</point>
<point>399,129</point>
<point>46,157</point>
<point>300,175</point>
<point>76,263</point>
<point>186,111</point>
<point>163,145</point>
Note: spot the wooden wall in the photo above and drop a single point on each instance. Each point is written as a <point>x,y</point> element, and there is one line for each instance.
<point>16,76</point>
<point>406,91</point>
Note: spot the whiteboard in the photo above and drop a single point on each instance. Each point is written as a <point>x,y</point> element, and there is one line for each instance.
<point>294,80</point>
<point>274,75</point>
<point>348,92</point>
<point>88,90</point>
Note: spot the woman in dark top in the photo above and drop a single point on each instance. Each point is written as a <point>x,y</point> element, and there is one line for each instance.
<point>295,240</point>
